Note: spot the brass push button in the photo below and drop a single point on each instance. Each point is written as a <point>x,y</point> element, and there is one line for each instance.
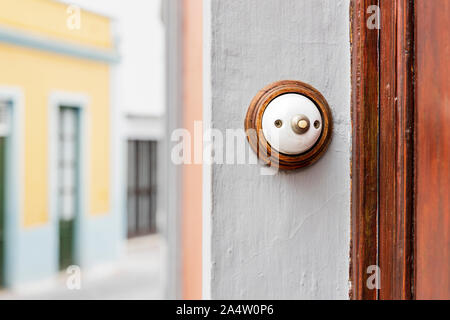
<point>300,124</point>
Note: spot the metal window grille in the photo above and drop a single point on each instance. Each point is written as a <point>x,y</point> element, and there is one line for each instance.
<point>141,195</point>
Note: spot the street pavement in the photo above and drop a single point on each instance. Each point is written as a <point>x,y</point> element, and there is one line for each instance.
<point>136,275</point>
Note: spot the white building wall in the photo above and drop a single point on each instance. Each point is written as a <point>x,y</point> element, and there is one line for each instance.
<point>140,31</point>
<point>287,235</point>
<point>137,86</point>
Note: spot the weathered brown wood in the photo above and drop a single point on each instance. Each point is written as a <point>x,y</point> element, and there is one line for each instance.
<point>383,149</point>
<point>365,93</point>
<point>396,173</point>
<point>432,149</point>
<point>255,136</point>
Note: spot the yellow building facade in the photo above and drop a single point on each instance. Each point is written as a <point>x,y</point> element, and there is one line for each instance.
<point>53,55</point>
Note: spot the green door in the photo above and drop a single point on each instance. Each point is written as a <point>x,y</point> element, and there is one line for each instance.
<point>68,167</point>
<point>2,211</point>
<point>66,243</point>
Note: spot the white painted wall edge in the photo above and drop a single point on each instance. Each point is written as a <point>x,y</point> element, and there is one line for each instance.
<point>207,167</point>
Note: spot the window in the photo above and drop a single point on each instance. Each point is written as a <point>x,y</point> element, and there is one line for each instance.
<point>141,193</point>
<point>68,167</point>
<point>4,118</point>
<point>4,129</point>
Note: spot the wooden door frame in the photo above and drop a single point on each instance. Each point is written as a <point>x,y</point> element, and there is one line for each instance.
<point>383,149</point>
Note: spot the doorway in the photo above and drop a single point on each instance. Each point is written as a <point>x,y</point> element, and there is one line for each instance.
<point>2,208</point>
<point>4,129</point>
<point>141,188</point>
<point>68,182</point>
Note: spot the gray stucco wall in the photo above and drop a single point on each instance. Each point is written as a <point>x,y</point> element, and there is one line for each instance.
<point>287,235</point>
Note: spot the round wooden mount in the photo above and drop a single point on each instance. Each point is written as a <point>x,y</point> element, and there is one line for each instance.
<point>254,130</point>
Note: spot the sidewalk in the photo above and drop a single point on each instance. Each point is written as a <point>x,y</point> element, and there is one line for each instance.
<point>137,275</point>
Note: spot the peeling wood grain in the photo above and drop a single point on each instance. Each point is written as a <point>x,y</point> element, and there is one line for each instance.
<point>396,149</point>
<point>383,153</point>
<point>365,95</point>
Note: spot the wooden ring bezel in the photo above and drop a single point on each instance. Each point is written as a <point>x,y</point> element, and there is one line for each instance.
<point>255,136</point>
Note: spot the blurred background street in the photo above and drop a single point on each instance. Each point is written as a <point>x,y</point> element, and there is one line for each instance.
<point>137,275</point>
<point>82,103</point>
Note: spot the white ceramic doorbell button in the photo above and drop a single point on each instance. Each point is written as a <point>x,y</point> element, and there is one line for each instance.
<point>289,124</point>
<point>286,123</point>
